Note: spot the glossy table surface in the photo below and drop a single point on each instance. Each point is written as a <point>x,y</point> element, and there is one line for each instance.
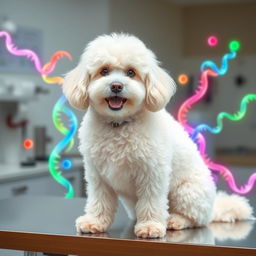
<point>28,218</point>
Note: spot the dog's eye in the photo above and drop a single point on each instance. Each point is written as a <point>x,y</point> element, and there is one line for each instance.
<point>104,72</point>
<point>131,73</point>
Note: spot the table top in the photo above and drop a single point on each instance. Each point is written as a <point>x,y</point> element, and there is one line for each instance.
<point>46,224</point>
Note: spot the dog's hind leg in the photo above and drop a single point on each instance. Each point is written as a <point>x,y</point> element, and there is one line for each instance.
<point>191,205</point>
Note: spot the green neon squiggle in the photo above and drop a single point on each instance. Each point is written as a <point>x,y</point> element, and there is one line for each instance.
<point>233,117</point>
<point>64,144</point>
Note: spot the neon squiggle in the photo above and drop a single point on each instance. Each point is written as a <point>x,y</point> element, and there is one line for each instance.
<point>31,55</point>
<point>200,92</point>
<point>58,80</point>
<point>234,47</point>
<point>182,118</point>
<point>67,142</point>
<point>224,67</point>
<point>233,117</point>
<point>52,80</point>
<point>63,144</point>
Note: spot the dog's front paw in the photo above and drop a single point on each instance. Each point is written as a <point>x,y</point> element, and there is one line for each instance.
<point>150,229</point>
<point>90,224</point>
<point>178,222</point>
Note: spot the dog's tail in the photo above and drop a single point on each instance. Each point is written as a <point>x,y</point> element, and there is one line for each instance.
<point>231,208</point>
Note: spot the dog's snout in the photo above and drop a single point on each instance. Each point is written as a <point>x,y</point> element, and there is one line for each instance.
<point>116,87</point>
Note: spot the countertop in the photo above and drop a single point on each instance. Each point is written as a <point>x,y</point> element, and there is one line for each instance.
<point>46,224</point>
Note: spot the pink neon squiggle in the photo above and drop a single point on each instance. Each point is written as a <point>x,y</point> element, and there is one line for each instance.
<point>224,171</point>
<point>32,56</point>
<point>182,118</point>
<point>228,176</point>
<point>200,92</point>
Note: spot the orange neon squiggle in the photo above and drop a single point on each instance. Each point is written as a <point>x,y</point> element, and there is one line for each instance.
<point>52,80</point>
<point>51,66</point>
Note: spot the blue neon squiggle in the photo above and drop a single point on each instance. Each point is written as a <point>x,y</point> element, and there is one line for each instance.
<point>224,66</point>
<point>205,127</point>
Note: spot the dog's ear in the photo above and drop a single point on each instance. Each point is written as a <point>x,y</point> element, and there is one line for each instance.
<point>75,87</point>
<point>159,89</point>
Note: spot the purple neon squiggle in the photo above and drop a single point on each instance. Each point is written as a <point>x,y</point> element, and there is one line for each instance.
<point>224,171</point>
<point>32,56</point>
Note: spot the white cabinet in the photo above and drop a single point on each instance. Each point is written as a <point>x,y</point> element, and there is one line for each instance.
<point>41,184</point>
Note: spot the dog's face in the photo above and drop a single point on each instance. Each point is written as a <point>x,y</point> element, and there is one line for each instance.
<point>118,77</point>
<point>116,91</point>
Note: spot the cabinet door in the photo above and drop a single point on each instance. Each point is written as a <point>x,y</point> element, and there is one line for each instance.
<point>41,185</point>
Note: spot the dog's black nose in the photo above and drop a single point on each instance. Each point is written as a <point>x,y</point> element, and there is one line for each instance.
<point>116,87</point>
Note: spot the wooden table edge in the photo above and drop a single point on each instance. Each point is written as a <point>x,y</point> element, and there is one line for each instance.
<point>98,246</point>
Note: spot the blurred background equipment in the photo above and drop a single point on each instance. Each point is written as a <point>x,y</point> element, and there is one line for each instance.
<point>15,95</point>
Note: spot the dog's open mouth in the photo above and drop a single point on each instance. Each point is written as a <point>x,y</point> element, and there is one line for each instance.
<point>115,102</point>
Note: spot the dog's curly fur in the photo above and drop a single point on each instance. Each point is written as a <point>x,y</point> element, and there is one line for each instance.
<point>134,149</point>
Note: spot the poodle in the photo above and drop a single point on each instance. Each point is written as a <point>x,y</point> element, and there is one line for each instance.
<point>134,150</point>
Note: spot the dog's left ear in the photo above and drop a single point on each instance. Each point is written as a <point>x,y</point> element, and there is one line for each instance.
<point>160,87</point>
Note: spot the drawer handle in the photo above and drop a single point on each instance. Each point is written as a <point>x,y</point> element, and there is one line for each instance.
<point>19,190</point>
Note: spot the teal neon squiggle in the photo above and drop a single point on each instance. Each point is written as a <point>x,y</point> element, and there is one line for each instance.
<point>54,158</point>
<point>233,117</point>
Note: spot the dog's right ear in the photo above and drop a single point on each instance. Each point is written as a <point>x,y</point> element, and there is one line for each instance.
<point>75,87</point>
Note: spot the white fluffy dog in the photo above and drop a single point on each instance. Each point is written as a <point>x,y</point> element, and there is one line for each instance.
<point>134,149</point>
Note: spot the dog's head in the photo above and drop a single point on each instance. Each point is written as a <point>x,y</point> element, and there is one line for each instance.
<point>118,76</point>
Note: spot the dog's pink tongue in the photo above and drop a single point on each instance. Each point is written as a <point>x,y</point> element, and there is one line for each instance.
<point>115,102</point>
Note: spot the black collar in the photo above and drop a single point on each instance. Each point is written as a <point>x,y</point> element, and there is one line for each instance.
<point>115,124</point>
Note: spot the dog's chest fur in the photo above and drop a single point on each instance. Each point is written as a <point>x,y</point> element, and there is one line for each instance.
<point>120,154</point>
<point>120,147</point>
